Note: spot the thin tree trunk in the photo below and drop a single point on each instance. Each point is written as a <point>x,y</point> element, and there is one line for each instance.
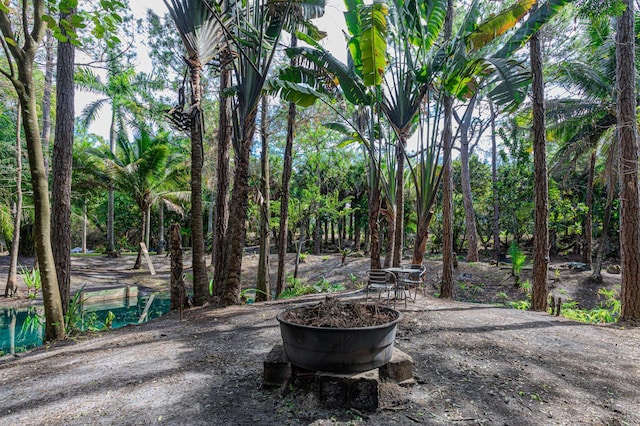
<point>494,181</point>
<point>284,198</point>
<point>300,246</point>
<point>111,244</point>
<point>84,226</point>
<point>143,223</point>
<point>467,195</point>
<point>221,214</point>
<point>627,140</point>
<point>446,286</point>
<point>540,289</point>
<point>596,276</point>
<point>178,294</point>
<point>147,228</point>
<point>46,96</point>
<point>263,285</point>
<point>212,205</point>
<point>588,219</point>
<point>374,213</point>
<point>398,229</point>
<point>390,240</point>
<point>161,241</point>
<point>237,222</point>
<point>12,276</point>
<point>317,242</point>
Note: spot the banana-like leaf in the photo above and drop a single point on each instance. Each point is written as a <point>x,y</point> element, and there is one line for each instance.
<point>352,86</point>
<point>351,17</point>
<point>350,136</point>
<point>511,81</point>
<point>299,94</point>
<point>542,15</point>
<point>498,24</point>
<point>433,13</point>
<point>373,42</point>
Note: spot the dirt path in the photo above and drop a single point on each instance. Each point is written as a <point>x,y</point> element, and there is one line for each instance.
<point>474,364</point>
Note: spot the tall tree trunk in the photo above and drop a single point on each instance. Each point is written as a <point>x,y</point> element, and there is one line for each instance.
<point>212,206</point>
<point>178,293</point>
<point>627,140</point>
<point>46,96</point>
<point>494,182</point>
<point>221,214</point>
<point>84,226</point>
<point>467,195</point>
<point>199,264</point>
<point>287,168</point>
<point>596,276</point>
<point>588,219</point>
<point>263,285</point>
<point>12,275</point>
<point>374,213</point>
<point>143,223</point>
<point>540,289</point>
<point>301,240</point>
<point>111,239</point>
<point>54,314</point>
<point>446,286</point>
<point>147,228</point>
<point>398,236</point>
<point>161,241</point>
<point>62,165</point>
<point>390,240</point>
<point>237,222</point>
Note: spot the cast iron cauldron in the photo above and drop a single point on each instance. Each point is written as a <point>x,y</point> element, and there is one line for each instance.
<point>339,350</point>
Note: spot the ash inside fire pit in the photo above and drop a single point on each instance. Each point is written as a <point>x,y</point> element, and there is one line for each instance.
<point>334,314</point>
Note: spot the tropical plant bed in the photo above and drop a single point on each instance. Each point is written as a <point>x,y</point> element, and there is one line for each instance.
<point>333,313</point>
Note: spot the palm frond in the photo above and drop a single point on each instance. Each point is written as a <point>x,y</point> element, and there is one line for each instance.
<point>352,86</point>
<point>586,78</point>
<point>511,83</point>
<point>86,79</point>
<point>202,33</point>
<point>91,112</point>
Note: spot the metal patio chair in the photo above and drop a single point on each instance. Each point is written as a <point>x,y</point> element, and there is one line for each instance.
<point>380,280</point>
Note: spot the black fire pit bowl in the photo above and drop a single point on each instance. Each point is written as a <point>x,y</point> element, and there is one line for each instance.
<point>339,350</point>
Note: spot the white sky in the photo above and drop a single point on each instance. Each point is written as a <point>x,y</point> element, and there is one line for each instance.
<point>332,22</point>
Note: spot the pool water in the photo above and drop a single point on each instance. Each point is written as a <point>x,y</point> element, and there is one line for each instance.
<point>23,329</point>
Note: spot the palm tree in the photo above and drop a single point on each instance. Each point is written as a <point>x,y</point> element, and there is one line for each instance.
<point>142,169</point>
<point>203,37</point>
<point>117,91</point>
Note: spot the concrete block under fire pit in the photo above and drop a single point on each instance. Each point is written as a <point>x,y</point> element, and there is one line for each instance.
<point>277,369</point>
<point>358,390</point>
<point>399,368</point>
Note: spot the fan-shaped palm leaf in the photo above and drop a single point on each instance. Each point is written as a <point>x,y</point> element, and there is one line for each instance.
<point>201,31</point>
